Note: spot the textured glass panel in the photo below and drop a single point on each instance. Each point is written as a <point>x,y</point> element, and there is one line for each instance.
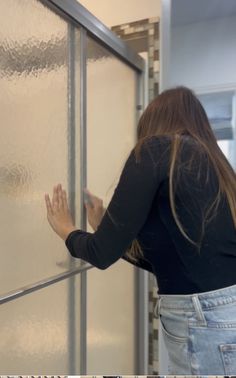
<point>35,334</point>
<point>38,62</point>
<point>34,154</point>
<point>111,135</point>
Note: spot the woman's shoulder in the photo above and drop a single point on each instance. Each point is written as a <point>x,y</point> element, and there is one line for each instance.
<point>167,139</point>
<point>156,142</point>
<point>162,143</point>
<point>158,149</point>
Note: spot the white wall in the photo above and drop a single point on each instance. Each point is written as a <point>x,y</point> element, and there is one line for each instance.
<point>116,12</point>
<point>203,54</point>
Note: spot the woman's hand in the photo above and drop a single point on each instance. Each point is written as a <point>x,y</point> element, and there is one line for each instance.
<point>95,209</point>
<point>58,213</point>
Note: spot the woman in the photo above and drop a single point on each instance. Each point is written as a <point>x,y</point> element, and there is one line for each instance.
<point>173,213</point>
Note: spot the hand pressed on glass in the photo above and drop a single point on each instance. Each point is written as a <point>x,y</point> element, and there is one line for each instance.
<point>95,209</point>
<point>58,213</point>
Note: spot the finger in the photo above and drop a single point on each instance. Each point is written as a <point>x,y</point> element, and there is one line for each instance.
<point>55,198</point>
<point>54,193</point>
<point>48,205</point>
<point>64,199</point>
<point>60,199</point>
<point>88,205</point>
<point>89,210</point>
<point>89,201</point>
<point>91,198</point>
<point>88,193</point>
<point>94,200</point>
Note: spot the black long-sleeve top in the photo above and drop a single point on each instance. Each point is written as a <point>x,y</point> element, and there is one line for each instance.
<point>140,209</point>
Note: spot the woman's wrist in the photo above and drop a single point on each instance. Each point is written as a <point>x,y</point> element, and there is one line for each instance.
<point>65,233</point>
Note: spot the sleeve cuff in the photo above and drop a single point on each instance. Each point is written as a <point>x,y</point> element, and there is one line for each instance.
<point>69,241</point>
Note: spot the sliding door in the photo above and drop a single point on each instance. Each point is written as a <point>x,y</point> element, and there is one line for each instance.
<point>111,128</point>
<point>36,153</point>
<point>47,135</point>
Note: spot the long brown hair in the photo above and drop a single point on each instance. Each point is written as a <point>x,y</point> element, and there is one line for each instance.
<point>177,112</point>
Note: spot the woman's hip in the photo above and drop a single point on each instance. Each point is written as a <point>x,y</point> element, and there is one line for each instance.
<point>199,331</point>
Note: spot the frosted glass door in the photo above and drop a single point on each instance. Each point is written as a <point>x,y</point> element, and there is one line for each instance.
<point>111,135</point>
<point>39,332</point>
<point>35,336</point>
<point>34,154</point>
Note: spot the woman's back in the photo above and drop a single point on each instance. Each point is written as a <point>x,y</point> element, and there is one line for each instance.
<point>182,267</point>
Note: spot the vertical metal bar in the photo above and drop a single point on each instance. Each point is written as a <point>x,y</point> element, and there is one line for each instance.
<point>165,43</point>
<point>165,61</point>
<point>233,142</point>
<point>141,276</point>
<point>71,190</point>
<point>83,183</point>
<point>142,310</point>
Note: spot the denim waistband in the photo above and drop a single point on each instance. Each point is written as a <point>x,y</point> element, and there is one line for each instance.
<point>207,299</point>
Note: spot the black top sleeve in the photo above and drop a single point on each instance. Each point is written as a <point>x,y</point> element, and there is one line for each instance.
<point>127,211</point>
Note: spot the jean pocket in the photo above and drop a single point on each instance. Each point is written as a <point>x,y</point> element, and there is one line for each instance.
<point>169,334</point>
<point>177,349</point>
<point>228,354</point>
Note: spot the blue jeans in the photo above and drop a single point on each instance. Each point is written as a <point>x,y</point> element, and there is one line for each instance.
<point>199,332</point>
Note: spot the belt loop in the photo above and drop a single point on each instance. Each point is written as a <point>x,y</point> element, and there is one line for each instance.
<point>157,307</point>
<point>198,309</point>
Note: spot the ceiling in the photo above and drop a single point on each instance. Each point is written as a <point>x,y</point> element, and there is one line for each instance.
<point>189,11</point>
